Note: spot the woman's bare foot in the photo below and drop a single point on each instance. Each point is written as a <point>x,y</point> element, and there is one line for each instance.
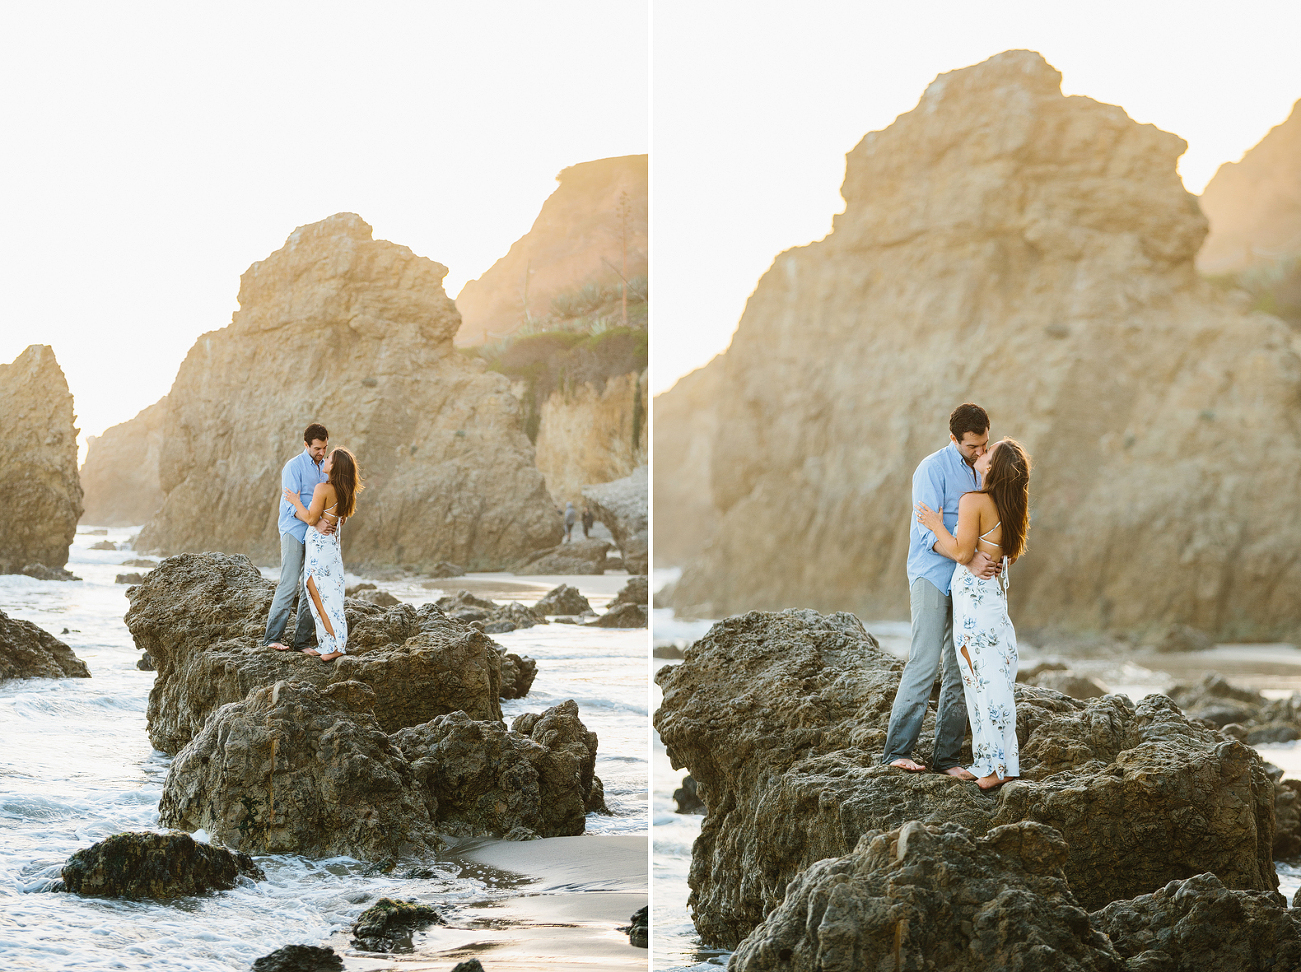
<point>331,656</point>
<point>993,781</point>
<point>959,773</point>
<point>908,765</point>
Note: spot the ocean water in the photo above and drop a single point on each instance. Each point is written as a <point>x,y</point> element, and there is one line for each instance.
<point>676,945</point>
<point>76,766</point>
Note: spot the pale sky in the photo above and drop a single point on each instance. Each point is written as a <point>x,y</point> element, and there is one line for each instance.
<point>756,104</point>
<point>152,151</point>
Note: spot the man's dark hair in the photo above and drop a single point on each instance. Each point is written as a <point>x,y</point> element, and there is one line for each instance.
<point>968,418</point>
<point>315,431</point>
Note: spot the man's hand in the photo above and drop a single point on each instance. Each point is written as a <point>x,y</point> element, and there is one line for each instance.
<point>983,567</point>
<point>325,526</point>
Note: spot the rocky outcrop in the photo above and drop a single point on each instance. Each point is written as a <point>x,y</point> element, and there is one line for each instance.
<point>687,797</point>
<point>563,599</point>
<point>158,866</point>
<point>41,572</point>
<point>573,749</point>
<point>1000,223</point>
<point>686,424</point>
<point>387,925</point>
<point>781,719</point>
<point>356,334</point>
<point>1258,720</point>
<point>290,770</point>
<point>29,651</point>
<point>1254,205</point>
<point>201,618</point>
<point>300,958</point>
<point>933,897</point>
<point>623,507</point>
<point>575,557</point>
<point>1068,683</point>
<point>578,238</point>
<point>592,434</point>
<point>1199,925</point>
<point>622,616</point>
<point>636,591</point>
<point>496,618</point>
<point>639,929</point>
<point>39,475</point>
<point>120,474</point>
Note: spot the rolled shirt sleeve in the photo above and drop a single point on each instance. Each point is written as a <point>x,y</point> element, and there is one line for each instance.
<point>928,488</point>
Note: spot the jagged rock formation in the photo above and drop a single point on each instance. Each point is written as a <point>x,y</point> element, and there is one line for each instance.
<point>201,618</point>
<point>623,506</point>
<point>39,475</point>
<point>158,866</point>
<point>120,474</point>
<point>578,230</point>
<point>932,897</point>
<point>686,424</point>
<point>781,720</point>
<point>1006,244</point>
<point>622,616</point>
<point>1254,205</point>
<point>589,434</point>
<point>300,958</point>
<point>636,591</point>
<point>563,599</point>
<point>1259,720</point>
<point>29,651</point>
<point>575,557</point>
<point>387,925</point>
<point>356,334</point>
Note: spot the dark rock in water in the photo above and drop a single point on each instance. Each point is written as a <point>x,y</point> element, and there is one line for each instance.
<point>104,545</point>
<point>145,664</point>
<point>498,627</point>
<point>444,569</point>
<point>94,533</point>
<point>517,675</point>
<point>497,618</point>
<point>140,562</point>
<point>469,965</point>
<point>576,557</point>
<point>672,652</point>
<point>300,958</point>
<point>639,930</point>
<point>41,572</point>
<point>562,732</point>
<point>157,866</point>
<point>464,599</point>
<point>255,776</point>
<point>1180,637</point>
<point>28,651</point>
<point>781,718</point>
<point>356,589</point>
<point>378,598</point>
<point>562,600</point>
<point>933,897</point>
<point>1198,925</point>
<point>1068,683</point>
<point>686,799</point>
<point>1214,700</point>
<point>387,925</point>
<point>1287,820</point>
<point>622,616</point>
<point>128,579</point>
<point>636,591</point>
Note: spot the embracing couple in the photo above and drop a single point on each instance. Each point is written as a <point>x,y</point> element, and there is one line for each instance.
<point>971,505</point>
<point>319,494</point>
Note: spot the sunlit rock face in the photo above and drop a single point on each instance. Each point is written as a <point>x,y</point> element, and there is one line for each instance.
<point>120,474</point>
<point>355,334</point>
<point>1007,245</point>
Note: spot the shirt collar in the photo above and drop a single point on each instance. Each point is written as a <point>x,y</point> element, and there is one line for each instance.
<point>308,453</point>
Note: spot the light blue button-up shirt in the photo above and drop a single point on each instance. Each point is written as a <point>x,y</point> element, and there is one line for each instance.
<point>939,482</point>
<point>301,473</point>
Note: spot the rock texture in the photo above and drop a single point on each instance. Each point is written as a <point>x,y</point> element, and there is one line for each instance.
<point>933,897</point>
<point>300,958</point>
<point>29,651</point>
<point>120,474</point>
<point>1254,205</point>
<point>387,925</point>
<point>636,591</point>
<point>356,334</point>
<point>590,434</point>
<point>623,506</point>
<point>201,618</point>
<point>577,231</point>
<point>563,599</point>
<point>39,475</point>
<point>686,424</point>
<point>781,720</point>
<point>622,616</point>
<point>1004,243</point>
<point>1215,701</point>
<point>158,866</point>
<point>575,557</point>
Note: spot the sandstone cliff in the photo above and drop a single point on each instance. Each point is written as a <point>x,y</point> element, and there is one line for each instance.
<point>592,434</point>
<point>686,424</point>
<point>1254,205</point>
<point>38,478</point>
<point>578,238</point>
<point>356,334</point>
<point>120,474</point>
<point>1004,244</point>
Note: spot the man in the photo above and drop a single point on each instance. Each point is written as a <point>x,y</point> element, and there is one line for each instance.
<point>571,517</point>
<point>301,474</point>
<point>939,482</point>
<point>589,520</point>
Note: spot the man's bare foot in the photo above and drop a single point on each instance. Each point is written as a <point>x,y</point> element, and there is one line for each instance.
<point>958,773</point>
<point>907,764</point>
<point>279,646</point>
<point>993,781</point>
<point>331,656</point>
<point>312,651</point>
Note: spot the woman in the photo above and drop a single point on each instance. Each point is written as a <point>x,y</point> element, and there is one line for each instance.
<point>334,500</point>
<point>996,516</point>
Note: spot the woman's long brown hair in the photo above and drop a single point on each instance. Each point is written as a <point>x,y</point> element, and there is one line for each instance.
<point>1007,481</point>
<point>345,477</point>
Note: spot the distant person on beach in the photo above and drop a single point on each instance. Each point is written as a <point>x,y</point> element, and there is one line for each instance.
<point>571,517</point>
<point>998,516</point>
<point>588,521</point>
<point>300,474</point>
<point>939,482</point>
<point>333,501</point>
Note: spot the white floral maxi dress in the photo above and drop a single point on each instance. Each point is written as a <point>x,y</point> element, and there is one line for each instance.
<point>981,626</point>
<point>324,565</point>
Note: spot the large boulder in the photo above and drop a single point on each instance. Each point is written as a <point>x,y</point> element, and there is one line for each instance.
<point>202,617</point>
<point>1033,251</point>
<point>1217,701</point>
<point>387,925</point>
<point>355,333</point>
<point>636,591</point>
<point>38,478</point>
<point>158,866</point>
<point>564,599</point>
<point>623,506</point>
<point>933,897</point>
<point>290,770</point>
<point>781,720</point>
<point>300,958</point>
<point>577,557</point>
<point>622,616</point>
<point>120,474</point>
<point>29,651</point>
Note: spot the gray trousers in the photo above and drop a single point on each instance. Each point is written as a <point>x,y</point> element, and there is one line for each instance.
<point>932,646</point>
<point>292,555</point>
